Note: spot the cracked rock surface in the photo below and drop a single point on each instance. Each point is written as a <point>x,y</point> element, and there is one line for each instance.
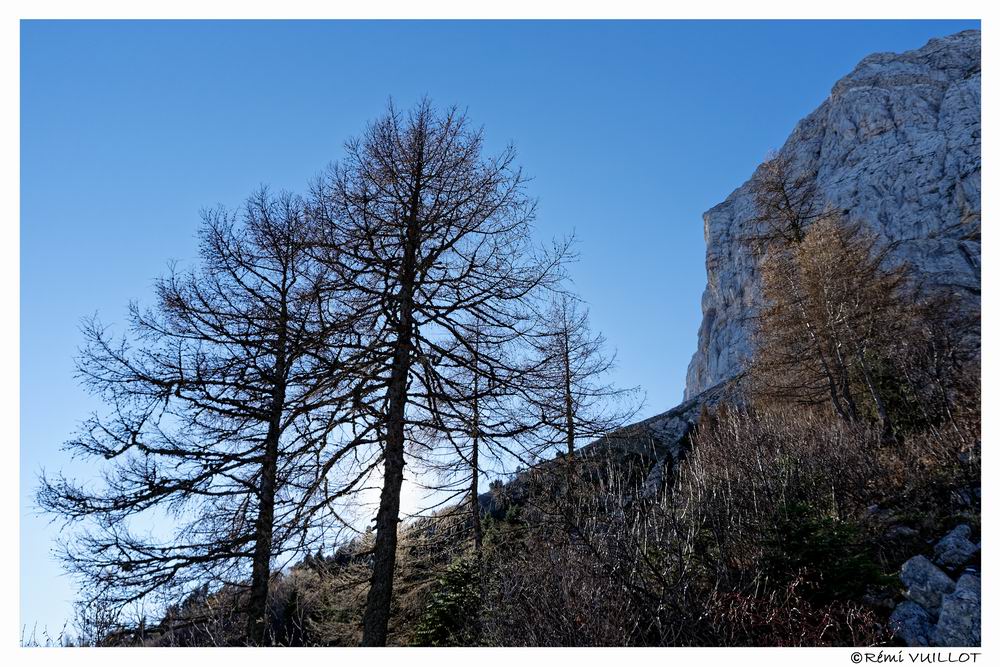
<point>925,583</point>
<point>959,620</point>
<point>955,548</point>
<point>896,144</point>
<point>939,611</point>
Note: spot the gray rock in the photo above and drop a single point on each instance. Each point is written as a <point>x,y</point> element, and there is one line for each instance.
<point>662,438</point>
<point>960,617</point>
<point>911,623</point>
<point>925,583</point>
<point>896,144</point>
<point>955,549</point>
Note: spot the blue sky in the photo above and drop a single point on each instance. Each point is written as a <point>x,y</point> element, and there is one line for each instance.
<point>630,131</point>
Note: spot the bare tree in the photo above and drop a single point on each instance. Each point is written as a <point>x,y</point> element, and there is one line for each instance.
<point>224,409</point>
<point>568,391</point>
<point>479,406</point>
<point>787,201</point>
<point>431,236</point>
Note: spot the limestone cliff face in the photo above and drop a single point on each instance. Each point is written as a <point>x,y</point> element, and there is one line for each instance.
<point>896,144</point>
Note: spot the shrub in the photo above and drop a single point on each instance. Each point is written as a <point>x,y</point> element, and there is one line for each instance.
<point>829,557</point>
<point>450,617</point>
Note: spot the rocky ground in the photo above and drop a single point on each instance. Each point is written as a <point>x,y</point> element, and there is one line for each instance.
<point>942,605</point>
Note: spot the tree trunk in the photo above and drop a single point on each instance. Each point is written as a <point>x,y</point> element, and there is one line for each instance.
<point>570,428</point>
<point>376,620</point>
<point>477,523</point>
<point>888,435</point>
<point>477,519</point>
<point>377,607</point>
<point>261,576</point>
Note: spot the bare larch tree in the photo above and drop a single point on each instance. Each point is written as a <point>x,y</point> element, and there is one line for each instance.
<point>224,407</point>
<point>569,391</point>
<point>480,404</point>
<point>431,235</point>
<point>786,200</point>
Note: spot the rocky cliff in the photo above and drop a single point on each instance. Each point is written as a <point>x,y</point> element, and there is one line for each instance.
<point>896,144</point>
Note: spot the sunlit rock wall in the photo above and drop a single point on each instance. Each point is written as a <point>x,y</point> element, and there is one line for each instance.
<point>896,144</point>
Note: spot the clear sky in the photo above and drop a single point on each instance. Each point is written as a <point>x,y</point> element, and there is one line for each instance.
<point>630,131</point>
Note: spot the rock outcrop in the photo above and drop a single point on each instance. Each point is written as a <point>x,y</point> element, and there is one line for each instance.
<point>664,434</point>
<point>663,438</point>
<point>660,441</point>
<point>925,583</point>
<point>897,144</point>
<point>955,548</point>
<point>912,624</point>
<point>938,610</point>
<point>960,617</point>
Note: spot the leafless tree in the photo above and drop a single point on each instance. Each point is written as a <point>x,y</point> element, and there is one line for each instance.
<point>786,200</point>
<point>432,237</point>
<point>225,406</point>
<point>480,408</point>
<point>568,391</point>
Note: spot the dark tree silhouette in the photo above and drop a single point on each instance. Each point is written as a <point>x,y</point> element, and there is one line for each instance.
<point>481,408</point>
<point>432,236</point>
<point>568,392</point>
<point>224,412</point>
<point>787,201</point>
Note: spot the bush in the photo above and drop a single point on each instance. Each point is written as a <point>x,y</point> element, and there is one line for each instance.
<point>785,617</point>
<point>830,558</point>
<point>451,616</point>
